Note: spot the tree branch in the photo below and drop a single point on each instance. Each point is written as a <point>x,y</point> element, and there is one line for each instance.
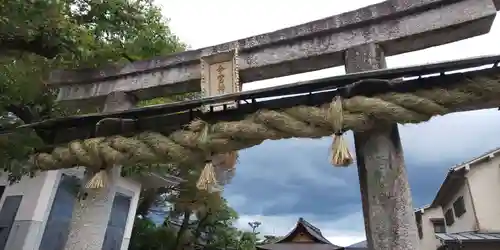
<point>149,197</point>
<point>126,56</point>
<point>27,116</point>
<point>37,46</point>
<point>197,232</point>
<point>22,112</point>
<point>182,229</point>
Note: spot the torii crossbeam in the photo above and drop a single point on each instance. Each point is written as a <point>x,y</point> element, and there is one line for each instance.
<point>167,118</point>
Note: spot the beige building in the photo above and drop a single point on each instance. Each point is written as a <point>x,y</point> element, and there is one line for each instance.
<point>465,213</point>
<point>35,214</point>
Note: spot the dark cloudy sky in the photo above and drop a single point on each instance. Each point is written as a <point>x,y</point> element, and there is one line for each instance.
<point>279,181</point>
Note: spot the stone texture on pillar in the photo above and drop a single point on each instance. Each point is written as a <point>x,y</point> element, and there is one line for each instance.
<point>385,192</point>
<point>91,215</point>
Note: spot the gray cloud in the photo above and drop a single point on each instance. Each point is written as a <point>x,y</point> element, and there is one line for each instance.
<point>292,178</point>
<point>286,179</point>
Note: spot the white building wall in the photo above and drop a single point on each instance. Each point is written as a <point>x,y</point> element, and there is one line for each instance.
<point>29,224</point>
<point>134,188</point>
<point>484,182</point>
<point>429,240</point>
<point>38,194</point>
<point>466,222</point>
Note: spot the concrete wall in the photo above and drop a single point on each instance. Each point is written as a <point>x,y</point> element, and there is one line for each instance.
<point>466,222</point>
<point>29,222</point>
<point>133,189</point>
<point>429,240</point>
<point>38,194</point>
<point>127,187</point>
<point>484,182</point>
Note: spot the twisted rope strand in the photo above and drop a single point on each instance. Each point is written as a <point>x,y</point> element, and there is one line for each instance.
<point>184,146</point>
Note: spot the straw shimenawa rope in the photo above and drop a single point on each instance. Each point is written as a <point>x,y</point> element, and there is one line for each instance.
<point>200,139</point>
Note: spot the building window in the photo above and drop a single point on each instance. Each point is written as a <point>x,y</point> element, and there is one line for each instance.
<point>7,215</point>
<point>439,226</point>
<point>117,222</point>
<point>59,220</point>
<point>459,207</point>
<point>448,216</point>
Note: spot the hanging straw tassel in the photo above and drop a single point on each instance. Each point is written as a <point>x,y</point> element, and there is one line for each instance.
<point>225,161</point>
<point>203,136</point>
<point>231,160</point>
<point>224,166</point>
<point>98,180</point>
<point>340,155</point>
<point>207,180</point>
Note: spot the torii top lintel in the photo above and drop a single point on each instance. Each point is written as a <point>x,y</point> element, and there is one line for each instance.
<point>398,26</point>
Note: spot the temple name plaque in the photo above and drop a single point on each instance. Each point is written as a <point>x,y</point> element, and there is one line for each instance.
<point>219,76</point>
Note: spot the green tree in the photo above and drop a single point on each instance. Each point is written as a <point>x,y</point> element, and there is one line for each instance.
<point>39,36</point>
<point>196,218</point>
<point>148,236</point>
<point>247,240</point>
<point>201,218</point>
<point>270,239</point>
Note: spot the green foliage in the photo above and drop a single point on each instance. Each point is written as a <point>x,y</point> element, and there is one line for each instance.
<point>248,241</point>
<point>15,147</point>
<point>174,98</point>
<point>92,32</point>
<point>147,236</point>
<point>210,224</point>
<point>200,218</point>
<point>36,26</point>
<point>85,33</point>
<point>39,36</point>
<point>268,239</point>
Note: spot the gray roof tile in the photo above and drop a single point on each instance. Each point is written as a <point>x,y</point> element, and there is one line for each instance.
<point>469,236</point>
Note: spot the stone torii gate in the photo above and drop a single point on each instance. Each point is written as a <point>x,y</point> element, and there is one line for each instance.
<point>359,39</point>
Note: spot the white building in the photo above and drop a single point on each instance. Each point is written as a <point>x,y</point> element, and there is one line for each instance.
<point>465,213</point>
<point>36,212</point>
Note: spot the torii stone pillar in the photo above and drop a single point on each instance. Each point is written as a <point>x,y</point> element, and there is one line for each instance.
<point>91,215</point>
<point>385,192</point>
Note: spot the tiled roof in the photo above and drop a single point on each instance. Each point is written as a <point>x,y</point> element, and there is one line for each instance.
<point>284,243</point>
<point>492,152</point>
<point>314,231</point>
<point>469,237</point>
<point>298,246</point>
<point>447,237</point>
<point>457,174</point>
<point>358,246</point>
